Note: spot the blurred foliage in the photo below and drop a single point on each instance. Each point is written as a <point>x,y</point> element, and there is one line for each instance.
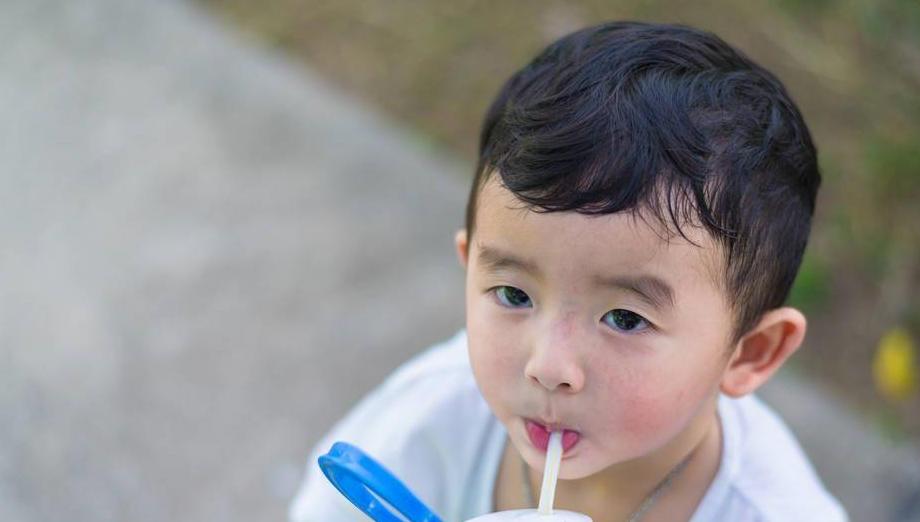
<point>890,424</point>
<point>812,284</point>
<point>852,66</point>
<point>895,164</point>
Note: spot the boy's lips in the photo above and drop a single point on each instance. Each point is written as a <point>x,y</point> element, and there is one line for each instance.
<point>539,435</point>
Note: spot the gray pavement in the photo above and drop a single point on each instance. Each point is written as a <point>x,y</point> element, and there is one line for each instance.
<point>207,253</point>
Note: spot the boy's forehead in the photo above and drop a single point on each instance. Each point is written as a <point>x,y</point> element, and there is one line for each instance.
<point>628,240</point>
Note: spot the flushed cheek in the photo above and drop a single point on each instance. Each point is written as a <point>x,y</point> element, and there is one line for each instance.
<point>644,418</point>
<point>647,417</point>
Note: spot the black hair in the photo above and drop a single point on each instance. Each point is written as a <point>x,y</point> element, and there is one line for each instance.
<point>670,119</point>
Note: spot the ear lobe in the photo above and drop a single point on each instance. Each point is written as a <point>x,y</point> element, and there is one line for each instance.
<point>462,245</point>
<point>763,350</point>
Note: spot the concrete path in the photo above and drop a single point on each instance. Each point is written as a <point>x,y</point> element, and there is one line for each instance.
<point>207,254</point>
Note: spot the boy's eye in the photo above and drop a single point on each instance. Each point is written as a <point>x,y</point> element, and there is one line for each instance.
<point>625,321</point>
<point>512,297</point>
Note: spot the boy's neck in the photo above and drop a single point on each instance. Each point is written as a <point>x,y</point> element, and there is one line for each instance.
<point>617,492</point>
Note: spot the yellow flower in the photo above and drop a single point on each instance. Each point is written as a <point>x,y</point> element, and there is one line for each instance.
<point>894,367</point>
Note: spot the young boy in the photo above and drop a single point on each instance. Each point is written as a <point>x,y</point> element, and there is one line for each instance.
<point>640,208</point>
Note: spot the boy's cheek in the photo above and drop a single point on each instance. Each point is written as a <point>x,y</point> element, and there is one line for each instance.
<point>493,350</point>
<point>494,373</point>
<point>646,411</point>
<point>492,366</point>
<point>642,419</point>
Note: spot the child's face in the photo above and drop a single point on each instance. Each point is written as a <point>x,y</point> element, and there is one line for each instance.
<point>614,333</point>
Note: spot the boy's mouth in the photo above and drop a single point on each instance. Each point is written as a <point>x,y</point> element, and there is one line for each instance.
<point>539,435</point>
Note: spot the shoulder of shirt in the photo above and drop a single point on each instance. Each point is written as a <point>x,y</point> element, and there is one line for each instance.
<point>448,359</point>
<point>422,423</point>
<point>770,472</point>
<point>426,394</point>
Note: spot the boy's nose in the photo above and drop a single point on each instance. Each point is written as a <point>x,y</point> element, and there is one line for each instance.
<point>554,364</point>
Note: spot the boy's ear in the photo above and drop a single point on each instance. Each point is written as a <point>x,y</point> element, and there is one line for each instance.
<point>763,350</point>
<point>463,247</point>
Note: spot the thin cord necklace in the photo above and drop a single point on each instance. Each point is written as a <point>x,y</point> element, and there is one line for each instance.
<point>646,504</point>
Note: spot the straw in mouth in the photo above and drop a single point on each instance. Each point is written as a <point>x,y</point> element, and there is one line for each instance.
<point>550,473</point>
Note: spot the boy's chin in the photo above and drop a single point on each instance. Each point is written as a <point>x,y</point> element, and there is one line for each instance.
<point>576,469</point>
<point>572,468</point>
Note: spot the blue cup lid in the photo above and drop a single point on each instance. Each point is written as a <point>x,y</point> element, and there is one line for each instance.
<point>365,482</point>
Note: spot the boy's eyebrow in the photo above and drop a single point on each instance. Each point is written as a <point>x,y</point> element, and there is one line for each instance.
<point>494,259</point>
<point>649,288</point>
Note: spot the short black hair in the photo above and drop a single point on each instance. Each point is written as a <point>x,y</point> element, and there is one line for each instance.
<point>668,118</point>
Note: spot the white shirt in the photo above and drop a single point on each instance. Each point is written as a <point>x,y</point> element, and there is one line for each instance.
<point>429,425</point>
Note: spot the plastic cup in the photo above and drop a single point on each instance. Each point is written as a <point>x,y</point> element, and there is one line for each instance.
<point>532,515</point>
<point>356,474</point>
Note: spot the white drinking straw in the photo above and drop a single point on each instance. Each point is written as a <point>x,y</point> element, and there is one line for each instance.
<point>550,473</point>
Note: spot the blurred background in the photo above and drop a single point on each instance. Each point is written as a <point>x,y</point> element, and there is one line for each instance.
<point>224,221</point>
